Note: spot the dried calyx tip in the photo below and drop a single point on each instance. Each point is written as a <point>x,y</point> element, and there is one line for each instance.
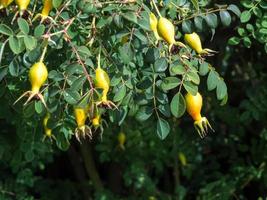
<point>202,126</point>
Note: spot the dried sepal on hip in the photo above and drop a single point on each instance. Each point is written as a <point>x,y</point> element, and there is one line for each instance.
<point>37,75</point>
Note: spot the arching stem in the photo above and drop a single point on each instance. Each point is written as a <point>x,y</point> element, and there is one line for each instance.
<point>153,1</point>
<point>98,58</point>
<point>44,51</point>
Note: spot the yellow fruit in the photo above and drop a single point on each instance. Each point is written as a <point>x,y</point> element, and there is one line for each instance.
<point>193,40</point>
<point>102,82</point>
<point>153,21</point>
<point>153,25</point>
<point>48,131</point>
<point>82,129</point>
<point>22,4</point>
<point>193,106</point>
<point>80,117</point>
<point>38,74</point>
<point>182,158</point>
<point>121,140</point>
<point>5,3</point>
<point>47,8</point>
<point>45,11</point>
<point>166,31</point>
<point>124,39</point>
<point>96,120</point>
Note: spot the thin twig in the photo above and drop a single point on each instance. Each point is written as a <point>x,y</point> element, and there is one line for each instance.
<point>7,192</point>
<point>82,64</point>
<point>200,14</point>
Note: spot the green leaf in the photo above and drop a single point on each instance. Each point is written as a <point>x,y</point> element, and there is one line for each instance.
<point>161,65</point>
<point>115,80</point>
<point>3,73</point>
<point>140,36</point>
<point>118,20</point>
<point>152,55</point>
<point>163,128</point>
<point>87,7</point>
<point>55,75</point>
<point>199,23</point>
<point>242,32</point>
<point>177,69</point>
<point>123,113</point>
<point>257,11</point>
<point>84,101</point>
<point>74,69</point>
<point>204,68</point>
<point>212,80</point>
<point>250,27</point>
<point>30,42</point>
<point>71,97</point>
<point>144,84</point>
<point>178,105</point>
<point>62,143</point>
<point>14,44</point>
<point>39,30</point>
<point>143,113</point>
<point>126,53</point>
<point>170,83</point>
<point>5,30</point>
<point>162,97</point>
<point>225,17</point>
<point>14,68</point>
<point>221,90</point>
<point>193,76</point>
<point>234,41</point>
<point>263,4</point>
<point>39,107</point>
<point>23,26</point>
<point>84,52</point>
<point>247,42</point>
<point>234,9</point>
<point>245,16</point>
<point>29,110</point>
<point>165,110</point>
<point>224,100</point>
<point>130,16</point>
<point>144,24</point>
<point>187,26</point>
<point>181,2</point>
<point>190,87</point>
<point>56,3</point>
<point>29,156</point>
<point>195,4</point>
<point>78,83</point>
<point>120,94</point>
<point>263,31</point>
<point>212,20</point>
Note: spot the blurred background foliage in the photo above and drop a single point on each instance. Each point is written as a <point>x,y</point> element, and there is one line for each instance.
<point>228,164</point>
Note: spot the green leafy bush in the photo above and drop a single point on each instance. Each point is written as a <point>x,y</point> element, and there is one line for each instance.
<point>143,144</point>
